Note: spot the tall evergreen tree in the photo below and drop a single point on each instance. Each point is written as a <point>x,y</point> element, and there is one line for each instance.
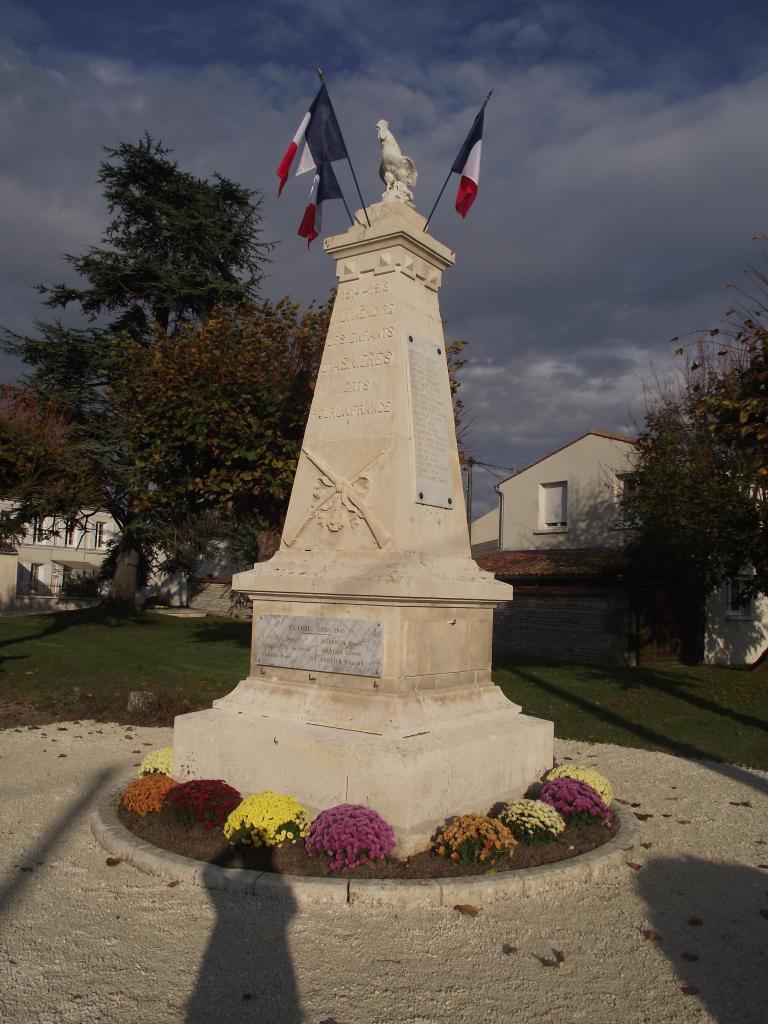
<point>176,247</point>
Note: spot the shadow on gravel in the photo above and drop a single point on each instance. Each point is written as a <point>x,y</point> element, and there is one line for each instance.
<point>23,872</point>
<point>711,922</point>
<point>246,974</point>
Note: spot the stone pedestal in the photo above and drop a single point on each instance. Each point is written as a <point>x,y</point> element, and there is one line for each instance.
<point>370,678</point>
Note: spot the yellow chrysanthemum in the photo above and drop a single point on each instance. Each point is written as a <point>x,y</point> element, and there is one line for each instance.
<point>532,820</point>
<point>159,761</point>
<point>266,819</point>
<point>598,782</point>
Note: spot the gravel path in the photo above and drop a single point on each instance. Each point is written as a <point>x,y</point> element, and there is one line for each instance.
<point>81,941</point>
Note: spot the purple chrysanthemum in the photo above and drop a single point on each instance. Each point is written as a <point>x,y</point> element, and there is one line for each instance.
<point>578,803</point>
<point>351,834</point>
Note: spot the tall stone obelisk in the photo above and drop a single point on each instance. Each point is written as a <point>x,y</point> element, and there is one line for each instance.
<point>370,678</point>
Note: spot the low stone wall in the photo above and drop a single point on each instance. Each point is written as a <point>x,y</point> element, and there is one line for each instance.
<point>35,605</point>
<point>216,597</point>
<point>579,628</point>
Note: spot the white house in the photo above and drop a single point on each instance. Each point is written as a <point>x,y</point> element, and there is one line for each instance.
<point>557,535</point>
<point>58,561</point>
<point>737,625</point>
<point>571,498</point>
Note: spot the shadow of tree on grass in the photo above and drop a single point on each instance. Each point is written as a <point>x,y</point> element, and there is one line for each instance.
<point>651,737</point>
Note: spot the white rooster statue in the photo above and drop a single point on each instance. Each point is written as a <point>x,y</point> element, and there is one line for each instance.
<point>398,172</point>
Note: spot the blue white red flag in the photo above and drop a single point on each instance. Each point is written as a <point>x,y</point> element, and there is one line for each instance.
<point>323,142</point>
<point>467,164</point>
<point>324,186</point>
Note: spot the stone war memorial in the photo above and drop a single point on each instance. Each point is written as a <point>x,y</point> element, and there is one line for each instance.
<point>370,674</point>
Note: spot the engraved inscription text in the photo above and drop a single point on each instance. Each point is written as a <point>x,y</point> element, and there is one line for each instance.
<point>348,646</point>
<point>433,427</point>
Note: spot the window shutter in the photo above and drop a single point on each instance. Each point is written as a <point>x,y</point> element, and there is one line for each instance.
<point>555,504</point>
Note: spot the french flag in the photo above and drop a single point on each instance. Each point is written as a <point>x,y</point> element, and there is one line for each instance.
<point>323,141</point>
<point>467,164</point>
<point>324,186</point>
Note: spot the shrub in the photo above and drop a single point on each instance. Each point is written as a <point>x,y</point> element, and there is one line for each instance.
<point>266,819</point>
<point>532,821</point>
<point>351,834</point>
<point>598,782</point>
<point>205,802</point>
<point>158,762</point>
<point>578,803</point>
<point>147,794</point>
<point>475,839</point>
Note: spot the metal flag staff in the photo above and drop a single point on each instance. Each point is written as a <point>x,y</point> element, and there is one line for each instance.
<point>349,161</point>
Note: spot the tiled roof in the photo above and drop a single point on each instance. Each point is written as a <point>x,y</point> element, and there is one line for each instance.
<point>576,563</point>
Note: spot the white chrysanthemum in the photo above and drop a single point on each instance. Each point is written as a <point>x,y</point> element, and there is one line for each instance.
<point>532,821</point>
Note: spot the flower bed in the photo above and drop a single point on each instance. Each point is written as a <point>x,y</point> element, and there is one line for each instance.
<point>271,831</point>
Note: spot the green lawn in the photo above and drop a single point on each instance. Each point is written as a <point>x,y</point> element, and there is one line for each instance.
<point>705,712</point>
<point>78,664</point>
<point>86,662</point>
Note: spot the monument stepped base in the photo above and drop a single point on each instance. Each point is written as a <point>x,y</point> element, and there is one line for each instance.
<point>412,781</point>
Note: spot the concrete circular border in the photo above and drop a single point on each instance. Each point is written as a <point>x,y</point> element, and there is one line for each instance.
<point>117,840</point>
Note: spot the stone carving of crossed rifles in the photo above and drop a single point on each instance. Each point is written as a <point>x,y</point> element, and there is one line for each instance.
<point>344,492</point>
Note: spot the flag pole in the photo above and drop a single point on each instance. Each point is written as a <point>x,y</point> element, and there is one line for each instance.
<point>445,183</point>
<point>321,76</point>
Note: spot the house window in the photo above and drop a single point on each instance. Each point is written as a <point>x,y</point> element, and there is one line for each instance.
<point>34,577</point>
<point>69,533</point>
<point>99,535</point>
<point>36,531</point>
<point>625,488</point>
<point>741,603</point>
<point>553,506</point>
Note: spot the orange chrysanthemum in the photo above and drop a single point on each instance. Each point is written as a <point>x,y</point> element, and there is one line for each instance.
<point>146,795</point>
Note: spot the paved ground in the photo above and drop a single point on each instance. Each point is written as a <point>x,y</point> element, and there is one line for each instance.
<point>81,941</point>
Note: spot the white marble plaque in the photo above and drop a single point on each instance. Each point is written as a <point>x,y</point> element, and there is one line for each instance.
<point>433,430</point>
<point>350,646</point>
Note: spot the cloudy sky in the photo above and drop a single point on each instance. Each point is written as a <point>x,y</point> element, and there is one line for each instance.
<point>624,169</point>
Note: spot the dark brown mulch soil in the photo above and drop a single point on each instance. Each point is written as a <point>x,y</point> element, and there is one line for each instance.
<point>209,845</point>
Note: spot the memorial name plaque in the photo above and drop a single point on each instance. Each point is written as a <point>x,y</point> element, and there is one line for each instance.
<point>433,436</point>
<point>349,646</point>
